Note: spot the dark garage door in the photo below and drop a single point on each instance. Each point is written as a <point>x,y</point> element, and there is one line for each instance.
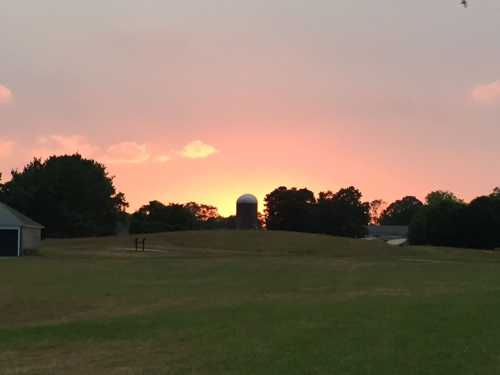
<point>8,242</point>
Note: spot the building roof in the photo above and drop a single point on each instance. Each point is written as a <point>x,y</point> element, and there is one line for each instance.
<point>12,218</point>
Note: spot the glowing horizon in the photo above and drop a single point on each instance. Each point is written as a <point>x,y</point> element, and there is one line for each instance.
<point>196,102</point>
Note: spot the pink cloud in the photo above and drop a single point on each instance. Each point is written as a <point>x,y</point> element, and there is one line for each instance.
<point>162,158</point>
<point>126,153</point>
<point>198,150</point>
<point>488,93</point>
<point>6,148</point>
<point>5,94</point>
<point>63,145</point>
<point>119,153</point>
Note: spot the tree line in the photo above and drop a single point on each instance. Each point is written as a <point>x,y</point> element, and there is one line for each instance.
<point>342,213</point>
<point>442,220</point>
<point>446,220</point>
<point>76,197</point>
<point>158,217</point>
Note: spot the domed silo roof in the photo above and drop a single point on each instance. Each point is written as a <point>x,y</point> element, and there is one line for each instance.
<point>247,199</point>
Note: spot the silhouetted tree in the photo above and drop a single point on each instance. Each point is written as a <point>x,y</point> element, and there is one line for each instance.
<point>261,220</point>
<point>375,210</point>
<point>496,192</point>
<point>481,223</point>
<point>157,217</point>
<point>202,212</point>
<point>1,189</point>
<point>440,222</point>
<point>400,212</point>
<point>439,196</point>
<point>70,195</point>
<point>342,213</point>
<point>288,209</point>
<point>417,231</point>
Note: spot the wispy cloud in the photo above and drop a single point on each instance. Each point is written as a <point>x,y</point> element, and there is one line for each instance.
<point>198,150</point>
<point>118,153</point>
<point>126,153</point>
<point>6,148</point>
<point>162,158</point>
<point>5,94</point>
<point>487,93</point>
<point>62,145</point>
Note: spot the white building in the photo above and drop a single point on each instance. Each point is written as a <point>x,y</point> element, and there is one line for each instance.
<point>17,232</point>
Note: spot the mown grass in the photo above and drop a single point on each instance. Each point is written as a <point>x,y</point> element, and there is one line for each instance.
<point>249,303</point>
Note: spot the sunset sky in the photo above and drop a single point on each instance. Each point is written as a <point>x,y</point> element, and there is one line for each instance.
<point>206,100</point>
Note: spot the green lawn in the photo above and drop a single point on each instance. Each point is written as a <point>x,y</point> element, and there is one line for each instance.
<point>249,303</point>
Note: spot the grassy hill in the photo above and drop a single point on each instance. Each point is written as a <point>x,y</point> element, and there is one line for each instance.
<point>228,302</point>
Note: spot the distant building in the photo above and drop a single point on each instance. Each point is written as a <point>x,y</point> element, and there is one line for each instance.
<point>18,233</point>
<point>246,212</point>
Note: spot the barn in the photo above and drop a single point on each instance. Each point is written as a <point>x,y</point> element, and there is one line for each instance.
<point>18,233</point>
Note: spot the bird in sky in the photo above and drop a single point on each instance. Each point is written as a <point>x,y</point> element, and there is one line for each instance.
<point>464,3</point>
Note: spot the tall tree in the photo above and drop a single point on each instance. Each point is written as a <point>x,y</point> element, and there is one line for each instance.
<point>481,223</point>
<point>70,195</point>
<point>288,209</point>
<point>439,223</point>
<point>342,213</point>
<point>439,196</point>
<point>400,212</point>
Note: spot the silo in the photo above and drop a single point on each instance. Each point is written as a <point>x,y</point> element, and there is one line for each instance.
<point>246,212</point>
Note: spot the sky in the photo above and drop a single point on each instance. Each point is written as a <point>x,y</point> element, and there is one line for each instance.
<point>206,100</point>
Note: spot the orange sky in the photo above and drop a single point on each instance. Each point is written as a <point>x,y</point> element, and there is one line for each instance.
<point>204,102</point>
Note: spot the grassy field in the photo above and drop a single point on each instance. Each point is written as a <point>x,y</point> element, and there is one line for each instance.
<point>249,303</point>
